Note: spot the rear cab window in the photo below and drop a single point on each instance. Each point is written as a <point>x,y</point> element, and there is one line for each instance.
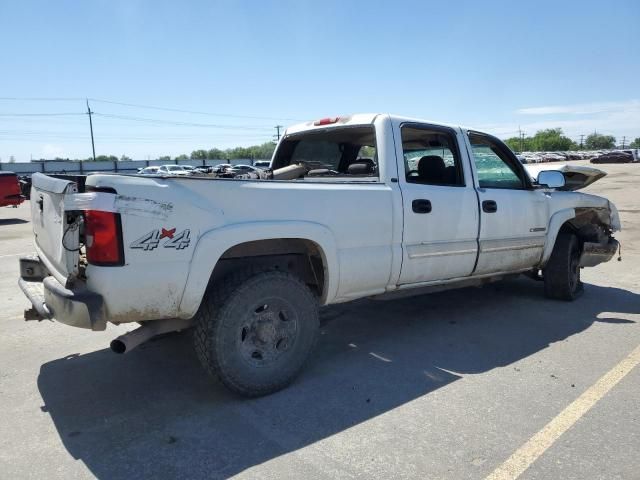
<point>340,153</point>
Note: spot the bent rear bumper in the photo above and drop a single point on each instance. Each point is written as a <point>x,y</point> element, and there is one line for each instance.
<point>596,253</point>
<point>77,307</point>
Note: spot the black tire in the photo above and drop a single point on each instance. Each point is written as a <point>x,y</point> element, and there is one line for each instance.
<point>562,272</point>
<point>256,332</point>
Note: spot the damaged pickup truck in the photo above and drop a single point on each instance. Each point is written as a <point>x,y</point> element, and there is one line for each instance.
<point>355,206</point>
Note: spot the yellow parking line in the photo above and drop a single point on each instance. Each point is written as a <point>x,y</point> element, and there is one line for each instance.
<point>528,453</point>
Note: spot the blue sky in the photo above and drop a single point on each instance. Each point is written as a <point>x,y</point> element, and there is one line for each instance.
<point>256,64</point>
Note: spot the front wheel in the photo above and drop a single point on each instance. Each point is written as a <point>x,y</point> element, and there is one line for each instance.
<point>256,333</point>
<point>562,272</point>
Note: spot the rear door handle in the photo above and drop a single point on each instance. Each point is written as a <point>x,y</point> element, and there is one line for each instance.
<point>421,205</point>
<point>489,206</point>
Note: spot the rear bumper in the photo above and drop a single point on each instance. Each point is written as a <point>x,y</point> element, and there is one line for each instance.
<point>596,253</point>
<point>77,307</point>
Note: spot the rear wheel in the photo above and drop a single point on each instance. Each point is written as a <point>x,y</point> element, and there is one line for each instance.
<point>256,333</point>
<point>562,272</point>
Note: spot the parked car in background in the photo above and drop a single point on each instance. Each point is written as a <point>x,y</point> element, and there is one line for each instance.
<point>262,164</point>
<point>173,170</point>
<point>10,193</point>
<point>614,157</point>
<point>634,153</point>
<point>553,157</point>
<point>239,169</point>
<point>153,170</point>
<point>222,168</point>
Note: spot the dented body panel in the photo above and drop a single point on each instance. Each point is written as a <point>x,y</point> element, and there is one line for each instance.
<point>352,237</point>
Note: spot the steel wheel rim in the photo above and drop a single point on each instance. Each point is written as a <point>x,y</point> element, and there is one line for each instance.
<point>268,332</point>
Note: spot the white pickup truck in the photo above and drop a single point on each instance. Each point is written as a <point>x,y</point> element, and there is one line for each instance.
<point>356,206</point>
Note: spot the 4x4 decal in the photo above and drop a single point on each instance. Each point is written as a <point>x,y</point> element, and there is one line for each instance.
<point>150,241</point>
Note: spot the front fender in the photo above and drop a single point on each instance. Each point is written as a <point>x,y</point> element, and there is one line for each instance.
<point>555,223</point>
<point>212,245</point>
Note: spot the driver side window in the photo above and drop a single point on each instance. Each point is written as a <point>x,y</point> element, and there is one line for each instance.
<point>493,166</point>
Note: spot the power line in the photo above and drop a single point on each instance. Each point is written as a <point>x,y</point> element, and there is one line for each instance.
<point>186,124</point>
<point>43,99</point>
<point>147,135</point>
<point>143,106</point>
<point>193,112</point>
<point>39,114</point>
<point>138,119</point>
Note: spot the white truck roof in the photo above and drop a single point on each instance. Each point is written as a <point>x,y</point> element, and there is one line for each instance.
<point>354,119</point>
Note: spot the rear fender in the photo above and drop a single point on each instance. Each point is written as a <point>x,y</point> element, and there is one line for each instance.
<point>213,244</point>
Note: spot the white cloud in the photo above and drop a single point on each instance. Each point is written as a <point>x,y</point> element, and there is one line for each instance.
<point>52,151</point>
<point>582,108</point>
<point>611,118</point>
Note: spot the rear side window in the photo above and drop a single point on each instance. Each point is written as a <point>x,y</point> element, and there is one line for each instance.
<point>431,156</point>
<point>334,152</point>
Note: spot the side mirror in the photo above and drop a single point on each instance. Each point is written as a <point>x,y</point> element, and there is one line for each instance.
<point>551,179</point>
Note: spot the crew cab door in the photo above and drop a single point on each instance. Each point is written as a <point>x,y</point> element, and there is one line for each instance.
<point>439,204</point>
<point>513,216</point>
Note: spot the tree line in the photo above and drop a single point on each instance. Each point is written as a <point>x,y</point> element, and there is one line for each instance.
<point>553,139</point>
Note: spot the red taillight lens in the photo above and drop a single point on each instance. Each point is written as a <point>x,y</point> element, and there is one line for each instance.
<point>103,238</point>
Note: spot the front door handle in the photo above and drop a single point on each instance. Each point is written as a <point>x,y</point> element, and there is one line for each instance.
<point>489,206</point>
<point>421,205</point>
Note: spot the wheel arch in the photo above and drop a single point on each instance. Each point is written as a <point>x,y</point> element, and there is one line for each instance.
<point>260,240</point>
<point>587,223</point>
<point>558,219</point>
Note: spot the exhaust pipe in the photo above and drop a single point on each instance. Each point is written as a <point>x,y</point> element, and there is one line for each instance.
<point>130,340</point>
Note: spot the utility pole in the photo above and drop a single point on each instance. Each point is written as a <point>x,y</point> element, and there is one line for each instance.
<point>93,147</point>
<point>277,135</point>
<point>624,138</point>
<point>581,140</point>
<point>520,137</point>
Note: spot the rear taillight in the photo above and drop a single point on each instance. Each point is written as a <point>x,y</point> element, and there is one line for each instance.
<point>103,238</point>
